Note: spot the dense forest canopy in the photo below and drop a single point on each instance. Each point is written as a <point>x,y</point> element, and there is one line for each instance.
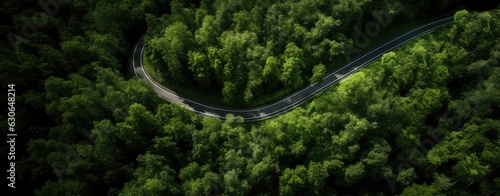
<point>248,50</point>
<point>422,120</point>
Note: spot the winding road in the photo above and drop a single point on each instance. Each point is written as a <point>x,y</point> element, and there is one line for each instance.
<point>290,101</point>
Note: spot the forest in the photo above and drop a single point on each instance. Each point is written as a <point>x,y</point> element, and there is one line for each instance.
<point>421,120</point>
<point>240,52</point>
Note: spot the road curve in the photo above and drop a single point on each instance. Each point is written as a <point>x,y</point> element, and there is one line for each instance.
<point>290,101</point>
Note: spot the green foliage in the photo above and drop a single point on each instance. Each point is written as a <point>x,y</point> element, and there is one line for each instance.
<point>230,32</point>
<point>152,177</point>
<point>424,189</point>
<point>293,180</point>
<point>470,168</point>
<point>229,92</point>
<point>200,67</point>
<point>172,48</point>
<point>423,120</point>
<point>354,173</point>
<point>406,176</point>
<point>318,73</point>
<point>270,72</point>
<point>291,74</point>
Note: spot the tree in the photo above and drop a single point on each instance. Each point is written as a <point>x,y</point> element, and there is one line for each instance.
<point>229,92</point>
<point>106,47</point>
<point>406,176</point>
<point>200,66</point>
<point>205,141</point>
<point>191,171</point>
<point>75,50</point>
<point>323,26</point>
<point>209,183</point>
<point>377,156</point>
<point>357,92</point>
<point>172,48</point>
<point>293,180</point>
<point>254,82</point>
<point>389,60</point>
<point>277,27</point>
<point>271,73</point>
<point>442,182</point>
<point>318,43</point>
<point>64,187</point>
<point>316,176</point>
<point>470,167</point>
<point>234,185</point>
<point>291,75</point>
<point>152,177</point>
<point>243,22</point>
<point>292,51</point>
<point>110,18</point>
<point>136,125</point>
<point>354,173</point>
<point>207,34</point>
<point>421,190</point>
<point>319,71</point>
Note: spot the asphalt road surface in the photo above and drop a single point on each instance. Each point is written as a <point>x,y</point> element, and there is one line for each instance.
<point>290,101</point>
